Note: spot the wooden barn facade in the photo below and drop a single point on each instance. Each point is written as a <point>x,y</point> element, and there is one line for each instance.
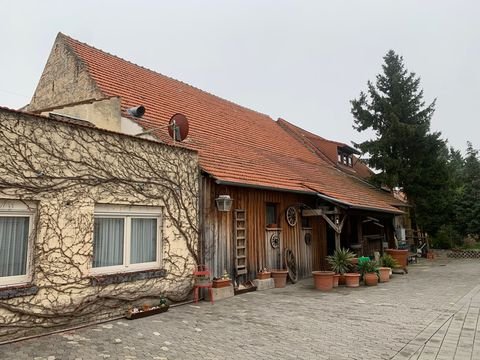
<point>264,226</point>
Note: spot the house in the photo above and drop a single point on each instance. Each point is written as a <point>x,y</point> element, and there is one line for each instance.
<point>284,195</point>
<point>91,222</point>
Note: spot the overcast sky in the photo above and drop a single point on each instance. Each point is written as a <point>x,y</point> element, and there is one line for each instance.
<point>299,60</point>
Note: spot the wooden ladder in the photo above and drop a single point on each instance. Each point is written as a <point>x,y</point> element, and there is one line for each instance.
<point>240,242</point>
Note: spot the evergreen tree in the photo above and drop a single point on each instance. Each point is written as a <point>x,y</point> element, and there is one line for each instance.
<point>404,151</point>
<point>468,203</point>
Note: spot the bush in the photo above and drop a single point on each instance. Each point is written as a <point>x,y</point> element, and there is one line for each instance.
<point>471,241</point>
<point>445,238</point>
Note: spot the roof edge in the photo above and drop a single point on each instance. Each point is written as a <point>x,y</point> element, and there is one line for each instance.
<point>260,187</point>
<point>357,207</point>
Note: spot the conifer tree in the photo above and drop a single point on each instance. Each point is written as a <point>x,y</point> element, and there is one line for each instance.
<point>404,151</point>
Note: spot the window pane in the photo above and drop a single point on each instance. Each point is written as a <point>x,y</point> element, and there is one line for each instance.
<point>13,245</point>
<point>143,246</point>
<point>271,214</point>
<point>108,242</point>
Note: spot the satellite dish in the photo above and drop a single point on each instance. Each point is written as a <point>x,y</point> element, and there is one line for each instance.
<point>178,127</point>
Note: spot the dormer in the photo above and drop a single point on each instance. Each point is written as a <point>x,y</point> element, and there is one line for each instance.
<point>345,155</point>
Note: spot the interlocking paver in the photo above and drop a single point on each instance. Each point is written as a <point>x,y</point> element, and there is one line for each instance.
<point>431,313</point>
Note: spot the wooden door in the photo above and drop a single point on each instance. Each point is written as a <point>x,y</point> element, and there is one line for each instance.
<point>305,257</point>
<point>273,249</point>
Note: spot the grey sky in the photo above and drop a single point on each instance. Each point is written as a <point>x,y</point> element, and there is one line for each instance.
<point>299,60</point>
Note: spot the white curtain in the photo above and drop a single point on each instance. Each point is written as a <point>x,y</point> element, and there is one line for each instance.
<point>143,241</point>
<point>13,245</point>
<point>108,242</point>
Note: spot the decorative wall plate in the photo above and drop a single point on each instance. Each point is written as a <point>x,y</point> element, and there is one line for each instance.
<point>291,215</point>
<point>275,241</point>
<point>308,238</point>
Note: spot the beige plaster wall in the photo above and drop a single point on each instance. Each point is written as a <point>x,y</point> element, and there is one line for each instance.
<point>65,170</point>
<point>104,113</point>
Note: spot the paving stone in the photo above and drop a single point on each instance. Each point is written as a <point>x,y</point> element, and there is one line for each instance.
<point>431,313</point>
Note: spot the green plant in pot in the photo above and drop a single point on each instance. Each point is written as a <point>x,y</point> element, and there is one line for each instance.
<point>368,269</point>
<point>341,263</point>
<point>387,263</point>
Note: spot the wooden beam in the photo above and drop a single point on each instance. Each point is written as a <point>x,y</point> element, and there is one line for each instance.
<point>312,212</point>
<point>318,212</point>
<point>331,223</point>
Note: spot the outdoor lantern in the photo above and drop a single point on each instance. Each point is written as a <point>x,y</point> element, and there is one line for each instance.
<point>224,202</point>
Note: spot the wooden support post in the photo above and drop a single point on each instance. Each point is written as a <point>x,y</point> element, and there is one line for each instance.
<point>337,240</point>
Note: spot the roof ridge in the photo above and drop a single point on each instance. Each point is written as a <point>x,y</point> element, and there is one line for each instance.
<point>293,131</point>
<point>160,74</point>
<point>313,134</point>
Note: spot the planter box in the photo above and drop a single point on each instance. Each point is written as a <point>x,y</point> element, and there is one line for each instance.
<point>220,283</point>
<point>249,286</point>
<point>142,313</point>
<point>264,275</point>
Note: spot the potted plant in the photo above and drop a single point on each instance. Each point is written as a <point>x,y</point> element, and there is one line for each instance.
<point>223,281</point>
<point>387,263</point>
<point>368,270</point>
<point>147,310</point>
<point>264,274</point>
<point>340,262</point>
<point>401,256</point>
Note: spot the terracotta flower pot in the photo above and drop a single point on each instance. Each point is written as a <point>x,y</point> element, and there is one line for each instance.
<point>384,274</point>
<point>400,255</point>
<point>336,279</point>
<point>323,280</point>
<point>280,278</point>
<point>341,279</point>
<point>370,279</point>
<point>263,275</point>
<point>352,279</point>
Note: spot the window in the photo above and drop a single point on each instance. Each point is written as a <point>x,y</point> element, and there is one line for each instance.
<point>305,222</point>
<point>126,238</point>
<point>345,158</point>
<point>16,227</point>
<point>271,214</point>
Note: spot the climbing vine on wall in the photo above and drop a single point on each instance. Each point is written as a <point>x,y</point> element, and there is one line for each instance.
<point>65,170</point>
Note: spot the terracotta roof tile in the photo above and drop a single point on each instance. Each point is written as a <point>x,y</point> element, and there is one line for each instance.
<point>235,144</point>
<point>327,149</point>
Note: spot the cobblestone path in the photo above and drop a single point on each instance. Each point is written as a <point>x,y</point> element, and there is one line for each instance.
<point>431,313</point>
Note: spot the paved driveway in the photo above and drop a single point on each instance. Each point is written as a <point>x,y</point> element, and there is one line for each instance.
<point>431,313</point>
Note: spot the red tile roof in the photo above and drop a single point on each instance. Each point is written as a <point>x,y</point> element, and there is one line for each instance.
<point>326,149</point>
<point>235,144</point>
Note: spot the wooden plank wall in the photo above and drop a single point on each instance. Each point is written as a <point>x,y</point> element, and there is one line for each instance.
<point>217,228</point>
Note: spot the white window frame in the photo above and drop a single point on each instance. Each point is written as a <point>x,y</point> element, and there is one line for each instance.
<point>127,213</point>
<point>16,208</point>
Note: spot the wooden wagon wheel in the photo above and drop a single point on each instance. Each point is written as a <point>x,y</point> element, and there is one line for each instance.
<point>291,264</point>
<point>291,215</point>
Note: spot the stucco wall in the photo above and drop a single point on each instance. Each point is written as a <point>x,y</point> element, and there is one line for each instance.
<point>104,113</point>
<point>65,170</point>
<point>64,80</point>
